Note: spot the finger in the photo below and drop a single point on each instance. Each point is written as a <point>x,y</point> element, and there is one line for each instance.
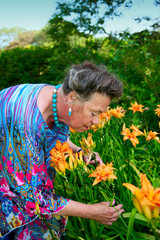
<point>117,214</point>
<point>109,223</point>
<point>92,162</point>
<point>118,207</point>
<point>114,219</point>
<point>121,211</point>
<point>85,159</point>
<point>98,159</point>
<point>110,203</point>
<point>113,202</point>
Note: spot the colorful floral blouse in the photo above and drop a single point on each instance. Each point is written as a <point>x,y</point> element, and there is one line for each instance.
<point>26,177</point>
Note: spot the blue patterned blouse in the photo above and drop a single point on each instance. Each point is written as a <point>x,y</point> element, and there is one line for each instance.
<point>26,177</point>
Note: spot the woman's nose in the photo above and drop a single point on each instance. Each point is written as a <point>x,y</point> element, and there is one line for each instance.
<point>95,120</point>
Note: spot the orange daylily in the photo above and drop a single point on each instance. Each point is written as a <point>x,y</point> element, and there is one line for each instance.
<point>132,136</point>
<point>102,173</point>
<point>103,119</point>
<point>72,130</point>
<point>136,107</point>
<point>58,156</point>
<point>75,160</point>
<point>147,199</point>
<point>136,130</point>
<point>100,124</point>
<point>157,110</point>
<point>87,144</point>
<point>105,115</point>
<point>117,112</point>
<point>152,135</point>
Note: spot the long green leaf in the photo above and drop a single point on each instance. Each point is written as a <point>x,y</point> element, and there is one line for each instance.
<point>131,223</point>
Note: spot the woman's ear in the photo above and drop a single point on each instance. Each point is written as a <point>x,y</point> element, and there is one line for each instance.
<point>72,98</point>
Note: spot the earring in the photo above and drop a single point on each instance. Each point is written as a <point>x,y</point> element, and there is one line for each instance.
<point>70,111</point>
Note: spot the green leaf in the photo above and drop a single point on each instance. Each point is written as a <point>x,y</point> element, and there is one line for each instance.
<point>137,216</point>
<point>144,236</point>
<point>131,223</point>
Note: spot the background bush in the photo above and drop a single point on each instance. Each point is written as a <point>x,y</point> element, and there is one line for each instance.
<point>133,58</point>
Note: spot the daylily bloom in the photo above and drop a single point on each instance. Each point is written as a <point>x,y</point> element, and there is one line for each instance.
<point>146,199</point>
<point>103,119</point>
<point>58,156</point>
<point>157,110</point>
<point>136,107</point>
<point>102,173</point>
<point>76,160</point>
<point>136,130</point>
<point>72,130</point>
<point>117,112</point>
<point>152,135</point>
<point>132,136</point>
<point>100,124</point>
<point>105,115</point>
<point>87,144</point>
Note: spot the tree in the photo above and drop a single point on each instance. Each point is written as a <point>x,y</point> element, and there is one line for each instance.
<point>60,30</point>
<point>38,38</point>
<point>8,35</point>
<point>90,15</point>
<point>41,39</point>
<point>25,38</point>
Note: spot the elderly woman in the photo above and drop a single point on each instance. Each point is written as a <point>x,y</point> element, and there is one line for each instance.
<point>32,118</point>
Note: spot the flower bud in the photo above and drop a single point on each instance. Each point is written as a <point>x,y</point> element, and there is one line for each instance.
<point>147,212</point>
<point>156,212</point>
<point>70,162</point>
<point>137,205</point>
<point>37,208</point>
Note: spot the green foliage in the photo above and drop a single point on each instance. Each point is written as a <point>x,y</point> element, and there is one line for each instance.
<point>19,37</point>
<point>60,30</point>
<point>129,162</point>
<point>29,65</point>
<point>41,38</point>
<point>23,39</point>
<point>7,35</point>
<point>133,58</point>
<point>136,60</point>
<point>89,15</point>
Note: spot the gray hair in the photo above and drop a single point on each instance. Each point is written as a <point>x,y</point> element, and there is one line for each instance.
<point>87,78</point>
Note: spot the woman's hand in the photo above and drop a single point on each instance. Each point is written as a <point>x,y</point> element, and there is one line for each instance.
<point>106,214</point>
<point>92,162</point>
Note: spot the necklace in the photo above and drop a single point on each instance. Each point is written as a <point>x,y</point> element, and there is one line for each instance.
<point>54,105</point>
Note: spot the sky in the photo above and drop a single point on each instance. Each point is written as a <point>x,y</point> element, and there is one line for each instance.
<point>34,15</point>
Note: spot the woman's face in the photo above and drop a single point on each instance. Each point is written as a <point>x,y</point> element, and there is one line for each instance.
<point>85,114</point>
